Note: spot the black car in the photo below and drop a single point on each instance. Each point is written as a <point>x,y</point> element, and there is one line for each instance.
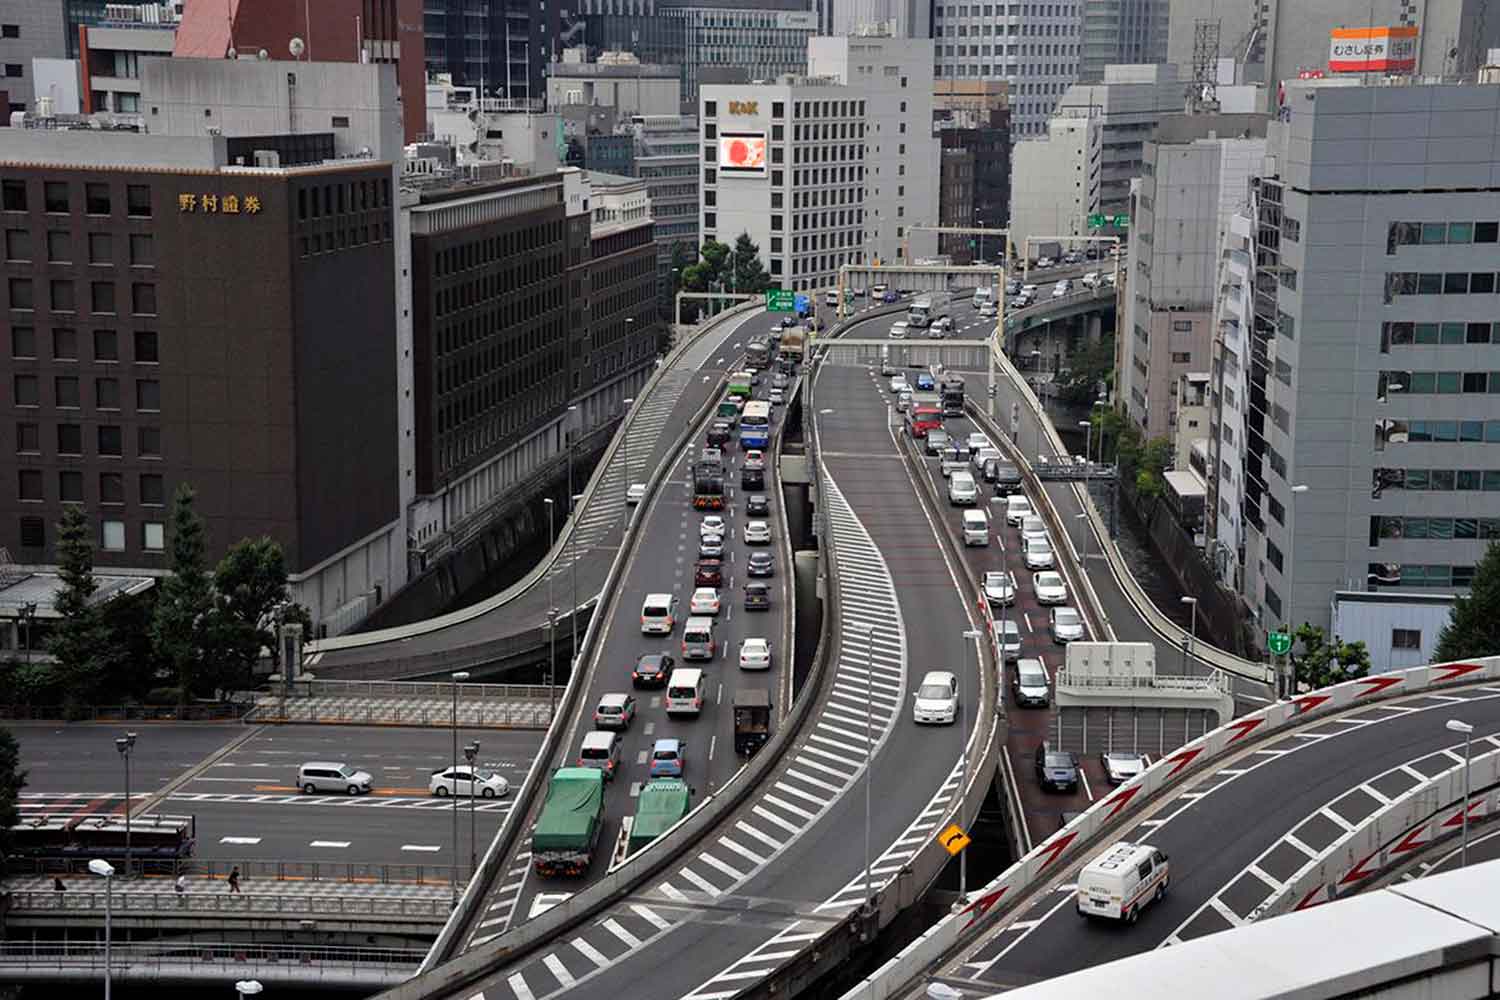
<point>757,505</point>
<point>651,670</point>
<point>757,597</point>
<point>752,479</point>
<point>1004,475</point>
<point>760,564</point>
<point>1056,769</point>
<point>719,432</point>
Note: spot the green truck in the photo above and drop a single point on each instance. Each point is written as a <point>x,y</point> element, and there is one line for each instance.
<point>661,804</point>
<point>572,817</point>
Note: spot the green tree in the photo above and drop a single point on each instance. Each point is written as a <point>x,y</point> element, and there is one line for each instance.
<point>1322,663</point>
<point>711,270</point>
<point>1154,459</point>
<point>12,780</point>
<point>1092,367</point>
<point>750,277</point>
<point>1473,627</point>
<point>178,630</point>
<point>78,640</point>
<point>250,602</point>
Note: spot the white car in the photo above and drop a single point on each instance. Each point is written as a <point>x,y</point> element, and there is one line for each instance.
<point>712,526</point>
<point>988,311</point>
<point>1044,262</point>
<point>1037,552</point>
<point>1050,588</point>
<point>899,384</point>
<point>898,330</point>
<point>755,459</point>
<point>999,587</point>
<point>777,397</point>
<point>705,602</point>
<point>1032,524</point>
<point>755,654</point>
<point>1066,625</point>
<point>1121,767</point>
<point>936,699</point>
<point>465,780</point>
<point>978,441</point>
<point>1059,290</point>
<point>1007,636</point>
<point>635,494</point>
<point>757,533</point>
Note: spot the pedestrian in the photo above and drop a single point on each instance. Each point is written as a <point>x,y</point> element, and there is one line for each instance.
<point>181,884</point>
<point>57,884</point>
<point>234,879</point>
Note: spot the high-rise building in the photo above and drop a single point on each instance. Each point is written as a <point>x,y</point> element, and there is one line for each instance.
<point>900,18</point>
<point>1229,397</point>
<point>1374,438</point>
<point>667,159</point>
<point>619,81</point>
<point>29,29</point>
<point>1055,182</point>
<point>503,46</point>
<point>1122,31</point>
<point>956,203</point>
<point>1035,48</point>
<point>1195,175</point>
<point>975,115</point>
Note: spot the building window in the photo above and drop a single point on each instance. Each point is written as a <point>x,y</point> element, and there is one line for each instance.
<point>145,347</point>
<point>13,196</point>
<point>70,486</point>
<point>143,299</point>
<point>66,389</point>
<point>96,199</point>
<point>148,442</point>
<point>153,536</point>
<point>17,245</point>
<point>60,246</point>
<point>28,439</point>
<point>22,342</point>
<point>26,390</point>
<point>62,297</point>
<point>112,537</point>
<point>21,295</point>
<point>55,197</point>
<point>29,484</point>
<point>110,440</point>
<point>710,109</point>
<point>1406,638</point>
<point>111,488</point>
<point>138,201</point>
<point>107,393</point>
<point>101,249</point>
<point>33,533</point>
<point>142,250</point>
<point>69,439</point>
<point>152,493</point>
<point>106,345</point>
<point>147,394</point>
<point>102,297</point>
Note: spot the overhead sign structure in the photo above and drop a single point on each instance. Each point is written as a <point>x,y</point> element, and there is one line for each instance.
<point>1279,643</point>
<point>953,839</point>
<point>803,304</point>
<point>742,153</point>
<point>1099,221</point>
<point>780,300</point>
<point>1373,50</point>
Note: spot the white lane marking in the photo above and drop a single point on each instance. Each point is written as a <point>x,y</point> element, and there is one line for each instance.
<point>424,848</point>
<point>723,868</point>
<point>239,840</point>
<point>650,916</point>
<point>329,843</point>
<point>808,779</point>
<point>775,820</point>
<point>613,926</point>
<point>672,892</point>
<point>554,965</point>
<point>703,884</point>
<point>791,790</point>
<point>742,851</point>
<point>519,987</point>
<point>589,952</point>
<point>769,841</point>
<point>780,803</point>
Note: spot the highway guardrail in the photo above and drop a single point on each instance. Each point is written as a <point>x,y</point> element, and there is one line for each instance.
<point>1019,883</point>
<point>31,902</point>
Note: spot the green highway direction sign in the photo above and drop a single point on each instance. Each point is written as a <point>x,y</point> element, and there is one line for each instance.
<point>781,300</point>
<point>1099,221</point>
<point>1279,643</point>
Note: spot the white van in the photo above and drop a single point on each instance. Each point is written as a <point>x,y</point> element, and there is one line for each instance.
<point>898,329</point>
<point>1017,509</point>
<point>658,614</point>
<point>698,639</point>
<point>983,295</point>
<point>976,527</point>
<point>685,691</point>
<point>961,489</point>
<point>1122,881</point>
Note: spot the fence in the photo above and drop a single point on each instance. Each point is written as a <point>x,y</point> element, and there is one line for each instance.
<point>467,693</point>
<point>73,954</point>
<point>351,873</point>
<point>33,902</point>
<point>535,715</point>
<point>223,712</point>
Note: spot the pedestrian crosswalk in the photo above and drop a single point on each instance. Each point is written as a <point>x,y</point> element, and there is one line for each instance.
<point>863,704</point>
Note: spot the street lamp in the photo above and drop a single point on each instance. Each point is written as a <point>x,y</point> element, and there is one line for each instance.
<point>551,542</point>
<point>1084,557</point>
<point>106,871</point>
<point>125,744</point>
<point>1187,649</point>
<point>1289,616</point>
<point>1088,438</point>
<point>28,615</point>
<point>457,677</point>
<point>1467,731</point>
<point>573,568</point>
<point>551,664</point>
<point>973,635</point>
<point>625,442</point>
<point>471,752</point>
<point>868,629</point>
<point>248,987</point>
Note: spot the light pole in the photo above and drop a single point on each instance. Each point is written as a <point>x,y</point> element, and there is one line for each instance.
<point>471,754</point>
<point>1459,726</point>
<point>1084,556</point>
<point>1290,609</point>
<point>28,615</point>
<point>573,568</point>
<point>868,629</point>
<point>457,677</point>
<point>1088,438</point>
<point>125,744</point>
<point>106,871</point>
<point>248,988</point>
<point>1187,649</point>
<point>625,442</point>
<point>551,664</point>
<point>973,635</point>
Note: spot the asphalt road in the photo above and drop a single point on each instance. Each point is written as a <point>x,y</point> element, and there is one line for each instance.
<point>663,563</point>
<point>80,758</point>
<point>1223,824</point>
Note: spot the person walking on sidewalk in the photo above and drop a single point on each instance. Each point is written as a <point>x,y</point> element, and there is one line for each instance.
<point>234,879</point>
<point>181,886</point>
<point>57,884</point>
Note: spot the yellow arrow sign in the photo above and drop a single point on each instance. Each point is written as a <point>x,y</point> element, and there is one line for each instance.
<point>953,839</point>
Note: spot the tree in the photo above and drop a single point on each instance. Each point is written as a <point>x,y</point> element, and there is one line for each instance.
<point>250,602</point>
<point>179,626</point>
<point>78,641</point>
<point>1093,367</point>
<point>1473,627</point>
<point>1323,663</point>
<point>12,780</point>
<point>750,277</point>
<point>1154,459</point>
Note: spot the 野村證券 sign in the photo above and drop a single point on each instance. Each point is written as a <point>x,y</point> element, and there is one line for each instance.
<point>218,204</point>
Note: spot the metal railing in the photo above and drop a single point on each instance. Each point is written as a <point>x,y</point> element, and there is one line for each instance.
<point>501,715</point>
<point>73,954</point>
<point>1215,681</point>
<point>228,711</point>
<point>467,693</point>
<point>331,872</point>
<point>31,902</point>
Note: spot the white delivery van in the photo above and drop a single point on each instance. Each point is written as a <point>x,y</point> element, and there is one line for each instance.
<point>1122,881</point>
<point>961,489</point>
<point>976,527</point>
<point>685,691</point>
<point>658,614</point>
<point>983,295</point>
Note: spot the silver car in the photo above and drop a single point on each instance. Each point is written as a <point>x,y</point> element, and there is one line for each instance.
<point>999,588</point>
<point>1066,625</point>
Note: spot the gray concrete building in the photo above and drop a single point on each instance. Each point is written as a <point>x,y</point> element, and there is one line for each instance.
<point>1121,31</point>
<point>1379,219</point>
<point>1196,172</point>
<point>901,18</point>
<point>1034,47</point>
<point>666,158</point>
<point>621,82</point>
<point>28,29</point>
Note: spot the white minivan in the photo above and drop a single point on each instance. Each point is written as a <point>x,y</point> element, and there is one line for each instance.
<point>658,614</point>
<point>976,527</point>
<point>961,489</point>
<point>685,691</point>
<point>1122,881</point>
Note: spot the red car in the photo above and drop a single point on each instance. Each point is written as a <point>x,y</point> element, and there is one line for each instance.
<point>708,573</point>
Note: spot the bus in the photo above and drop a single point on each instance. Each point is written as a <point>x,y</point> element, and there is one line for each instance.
<point>739,384</point>
<point>757,355</point>
<point>755,424</point>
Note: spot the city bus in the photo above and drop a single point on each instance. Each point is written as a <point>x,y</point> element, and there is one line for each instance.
<point>755,424</point>
<point>739,384</point>
<point>757,355</point>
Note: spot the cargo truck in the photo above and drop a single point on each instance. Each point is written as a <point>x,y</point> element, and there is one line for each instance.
<point>567,831</point>
<point>952,390</point>
<point>793,343</point>
<point>924,414</point>
<point>661,804</point>
<point>708,485</point>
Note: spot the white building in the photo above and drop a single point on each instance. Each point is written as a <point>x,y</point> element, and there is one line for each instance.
<point>1229,388</point>
<point>1055,181</point>
<point>901,155</point>
<point>1034,47</point>
<point>784,162</point>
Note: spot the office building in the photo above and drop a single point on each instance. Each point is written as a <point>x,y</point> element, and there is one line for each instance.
<point>1379,335</point>
<point>330,31</point>
<point>898,18</point>
<point>894,78</point>
<point>111,52</point>
<point>502,45</point>
<point>784,163</point>
<point>667,159</point>
<point>1229,397</point>
<point>956,204</point>
<point>764,41</point>
<point>617,80</point>
<point>529,296</point>
<point>975,115</point>
<point>1035,48</point>
<point>1055,182</point>
<point>1196,173</point>
<point>1122,32</point>
<point>29,29</point>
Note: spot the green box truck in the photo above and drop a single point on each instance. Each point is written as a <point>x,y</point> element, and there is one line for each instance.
<point>661,804</point>
<point>572,817</point>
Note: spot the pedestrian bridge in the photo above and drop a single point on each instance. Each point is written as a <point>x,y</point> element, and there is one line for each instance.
<point>359,970</point>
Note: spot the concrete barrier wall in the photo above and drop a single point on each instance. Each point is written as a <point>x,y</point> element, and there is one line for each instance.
<point>1113,811</point>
